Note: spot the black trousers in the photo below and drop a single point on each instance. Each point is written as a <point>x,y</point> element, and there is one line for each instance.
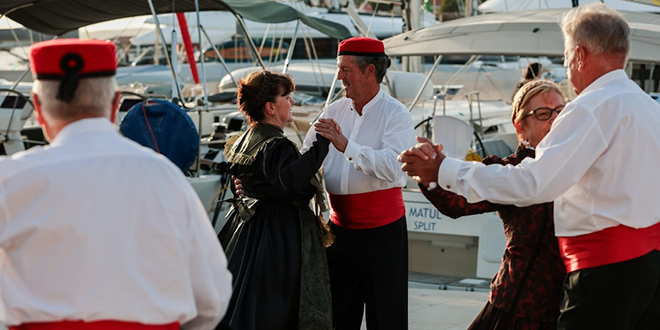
<point>370,267</point>
<point>620,296</point>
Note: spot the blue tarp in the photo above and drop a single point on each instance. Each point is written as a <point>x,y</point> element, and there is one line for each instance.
<point>169,130</point>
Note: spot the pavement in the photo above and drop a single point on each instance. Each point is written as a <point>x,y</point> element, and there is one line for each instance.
<point>430,308</point>
<point>434,307</point>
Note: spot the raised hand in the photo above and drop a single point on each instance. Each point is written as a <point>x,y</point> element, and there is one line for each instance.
<point>238,185</point>
<point>422,161</point>
<point>424,149</point>
<point>330,129</point>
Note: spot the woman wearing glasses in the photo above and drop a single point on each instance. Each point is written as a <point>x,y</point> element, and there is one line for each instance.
<point>525,292</point>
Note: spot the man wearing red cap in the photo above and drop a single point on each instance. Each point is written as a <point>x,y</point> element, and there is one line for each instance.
<point>368,262</point>
<point>96,231</point>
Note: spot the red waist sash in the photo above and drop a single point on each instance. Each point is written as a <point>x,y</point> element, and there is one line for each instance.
<point>94,325</point>
<point>367,210</point>
<point>608,246</point>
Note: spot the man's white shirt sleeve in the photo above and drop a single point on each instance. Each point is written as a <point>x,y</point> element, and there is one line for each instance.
<point>563,157</point>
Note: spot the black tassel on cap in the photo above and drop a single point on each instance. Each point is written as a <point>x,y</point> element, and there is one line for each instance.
<point>71,64</point>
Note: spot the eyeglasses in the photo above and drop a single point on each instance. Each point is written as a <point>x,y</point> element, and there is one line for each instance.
<point>544,113</point>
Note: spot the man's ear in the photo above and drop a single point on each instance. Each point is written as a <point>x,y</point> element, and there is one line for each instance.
<point>45,128</point>
<point>581,55</point>
<point>371,69</point>
<point>115,107</point>
<point>37,109</point>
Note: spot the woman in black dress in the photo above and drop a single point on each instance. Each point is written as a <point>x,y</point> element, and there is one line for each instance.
<point>273,239</point>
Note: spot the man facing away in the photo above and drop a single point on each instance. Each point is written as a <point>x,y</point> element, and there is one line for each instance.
<point>607,215</point>
<point>368,261</point>
<point>98,232</point>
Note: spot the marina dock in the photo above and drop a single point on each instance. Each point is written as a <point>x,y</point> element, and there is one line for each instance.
<point>433,308</point>
<point>430,308</point>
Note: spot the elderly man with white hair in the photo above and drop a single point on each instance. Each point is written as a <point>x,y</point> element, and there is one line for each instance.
<point>97,232</point>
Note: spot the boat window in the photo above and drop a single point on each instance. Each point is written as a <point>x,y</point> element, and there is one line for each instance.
<point>237,50</point>
<point>13,102</point>
<point>448,59</point>
<point>454,59</point>
<point>511,58</point>
<point>490,58</point>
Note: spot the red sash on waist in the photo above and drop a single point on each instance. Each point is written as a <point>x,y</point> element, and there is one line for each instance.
<point>94,325</point>
<point>608,246</point>
<point>367,210</point>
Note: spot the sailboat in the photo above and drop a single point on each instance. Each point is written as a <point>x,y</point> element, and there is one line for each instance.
<point>311,54</point>
<point>208,175</point>
<point>495,6</point>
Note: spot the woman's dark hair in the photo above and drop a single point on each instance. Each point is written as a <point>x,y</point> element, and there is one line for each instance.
<point>258,88</point>
<point>533,70</point>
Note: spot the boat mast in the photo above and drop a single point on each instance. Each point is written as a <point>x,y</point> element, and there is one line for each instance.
<point>167,55</point>
<point>201,50</point>
<point>414,63</point>
<point>287,61</point>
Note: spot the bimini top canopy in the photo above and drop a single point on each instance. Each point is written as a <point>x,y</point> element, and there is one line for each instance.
<point>524,33</point>
<point>60,16</point>
<point>496,6</point>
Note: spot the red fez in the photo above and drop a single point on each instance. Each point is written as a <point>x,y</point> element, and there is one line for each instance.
<point>69,60</point>
<point>361,46</point>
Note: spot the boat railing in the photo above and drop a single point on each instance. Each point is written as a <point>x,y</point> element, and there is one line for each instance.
<point>471,97</point>
<point>439,96</point>
<point>15,109</point>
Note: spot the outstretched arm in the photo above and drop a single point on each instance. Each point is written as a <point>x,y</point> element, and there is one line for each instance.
<point>422,162</point>
<point>284,168</point>
<point>454,205</point>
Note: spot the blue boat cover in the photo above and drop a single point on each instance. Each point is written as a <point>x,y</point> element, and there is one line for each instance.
<point>169,131</point>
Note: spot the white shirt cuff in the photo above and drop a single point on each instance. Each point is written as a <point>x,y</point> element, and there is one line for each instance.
<point>352,151</point>
<point>448,172</point>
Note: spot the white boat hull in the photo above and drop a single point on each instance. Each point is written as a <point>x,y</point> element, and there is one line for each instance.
<point>470,246</point>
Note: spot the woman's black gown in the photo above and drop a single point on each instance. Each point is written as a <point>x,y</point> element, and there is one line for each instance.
<point>275,251</point>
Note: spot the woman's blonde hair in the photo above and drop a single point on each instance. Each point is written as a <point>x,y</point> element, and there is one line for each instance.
<point>525,93</point>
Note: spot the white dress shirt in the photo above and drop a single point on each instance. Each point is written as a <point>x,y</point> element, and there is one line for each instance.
<point>375,139</point>
<point>96,227</point>
<point>600,163</point>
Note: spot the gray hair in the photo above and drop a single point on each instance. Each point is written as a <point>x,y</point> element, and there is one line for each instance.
<point>381,63</point>
<point>597,27</point>
<point>93,98</point>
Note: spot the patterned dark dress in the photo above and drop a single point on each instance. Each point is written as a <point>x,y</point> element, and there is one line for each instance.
<point>529,282</point>
<point>272,238</point>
